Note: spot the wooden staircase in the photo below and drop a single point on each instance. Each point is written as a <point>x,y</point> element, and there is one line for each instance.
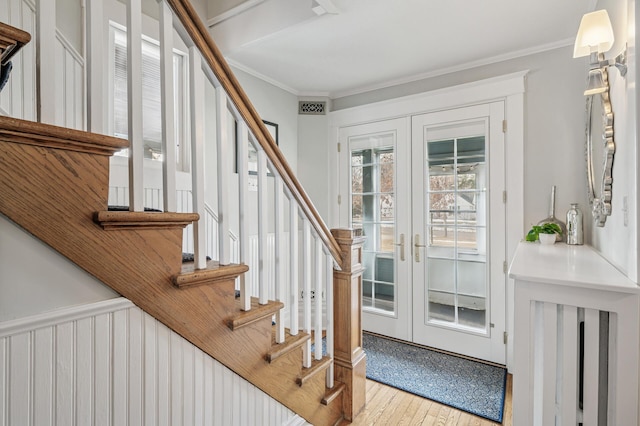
<point>54,184</point>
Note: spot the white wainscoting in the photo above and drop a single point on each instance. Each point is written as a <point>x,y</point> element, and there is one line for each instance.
<point>69,85</point>
<point>18,98</point>
<point>110,363</point>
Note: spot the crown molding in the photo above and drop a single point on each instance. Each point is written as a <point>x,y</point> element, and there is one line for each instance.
<point>263,77</point>
<point>457,68</point>
<point>242,7</point>
<point>405,80</point>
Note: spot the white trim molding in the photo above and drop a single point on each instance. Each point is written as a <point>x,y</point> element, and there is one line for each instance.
<point>74,313</point>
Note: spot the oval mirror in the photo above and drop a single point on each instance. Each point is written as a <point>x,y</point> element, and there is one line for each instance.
<point>600,148</point>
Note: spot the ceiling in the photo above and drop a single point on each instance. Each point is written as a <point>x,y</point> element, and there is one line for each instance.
<point>375,43</point>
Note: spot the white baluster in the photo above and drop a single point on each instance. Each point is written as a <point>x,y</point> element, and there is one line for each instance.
<point>134,101</point>
<point>95,67</point>
<point>168,113</point>
<point>224,176</point>
<point>262,225</point>
<point>329,317</point>
<point>318,300</point>
<point>306,280</point>
<point>591,366</point>
<point>568,339</point>
<point>293,263</point>
<point>196,96</point>
<point>243,176</point>
<point>279,252</point>
<point>549,362</point>
<point>46,54</point>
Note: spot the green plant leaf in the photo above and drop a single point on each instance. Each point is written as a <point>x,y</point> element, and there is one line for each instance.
<point>550,228</point>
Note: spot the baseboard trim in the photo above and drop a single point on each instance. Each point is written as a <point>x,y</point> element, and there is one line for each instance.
<point>47,319</point>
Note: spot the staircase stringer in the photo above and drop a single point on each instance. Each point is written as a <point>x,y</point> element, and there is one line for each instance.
<point>52,183</point>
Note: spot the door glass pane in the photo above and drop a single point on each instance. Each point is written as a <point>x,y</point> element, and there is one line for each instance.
<point>457,275</point>
<point>373,211</point>
<point>441,294</point>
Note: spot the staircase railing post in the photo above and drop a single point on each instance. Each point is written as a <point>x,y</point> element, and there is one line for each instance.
<point>349,358</point>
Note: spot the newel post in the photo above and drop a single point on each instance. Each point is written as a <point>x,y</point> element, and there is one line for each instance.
<point>349,357</point>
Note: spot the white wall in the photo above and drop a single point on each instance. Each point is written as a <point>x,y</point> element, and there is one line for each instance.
<point>554,134</point>
<point>69,15</point>
<point>554,124</point>
<point>110,363</point>
<point>277,106</point>
<point>34,278</point>
<point>313,159</point>
<point>617,240</point>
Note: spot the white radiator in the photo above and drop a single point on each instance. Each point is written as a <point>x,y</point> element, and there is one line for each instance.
<point>547,381</point>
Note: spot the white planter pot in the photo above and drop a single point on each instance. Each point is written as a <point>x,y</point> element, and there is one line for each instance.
<point>547,239</point>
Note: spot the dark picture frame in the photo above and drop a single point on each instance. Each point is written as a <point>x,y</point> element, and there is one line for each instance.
<point>253,155</point>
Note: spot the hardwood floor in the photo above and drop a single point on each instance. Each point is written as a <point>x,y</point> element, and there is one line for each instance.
<point>390,406</point>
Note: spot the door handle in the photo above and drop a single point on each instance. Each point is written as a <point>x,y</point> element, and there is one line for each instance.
<point>417,246</point>
<point>401,245</point>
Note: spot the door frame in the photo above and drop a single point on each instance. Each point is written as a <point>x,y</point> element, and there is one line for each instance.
<point>509,88</point>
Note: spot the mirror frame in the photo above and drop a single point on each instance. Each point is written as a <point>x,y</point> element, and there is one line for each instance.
<point>600,201</point>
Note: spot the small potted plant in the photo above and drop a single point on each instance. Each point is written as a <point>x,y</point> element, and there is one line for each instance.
<point>545,233</point>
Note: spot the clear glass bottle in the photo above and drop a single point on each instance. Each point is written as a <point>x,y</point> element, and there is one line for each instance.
<point>575,234</point>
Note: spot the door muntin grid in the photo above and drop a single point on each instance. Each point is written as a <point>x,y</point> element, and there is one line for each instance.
<point>456,230</point>
<point>373,211</point>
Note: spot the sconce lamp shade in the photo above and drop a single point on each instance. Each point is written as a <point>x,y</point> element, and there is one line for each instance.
<point>594,35</point>
<point>595,83</point>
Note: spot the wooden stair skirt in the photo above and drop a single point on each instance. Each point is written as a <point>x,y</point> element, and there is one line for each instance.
<point>54,183</point>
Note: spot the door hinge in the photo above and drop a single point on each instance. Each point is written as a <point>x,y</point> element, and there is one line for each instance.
<point>504,196</point>
<point>338,146</point>
<point>339,199</point>
<point>504,126</point>
<point>505,337</point>
<point>504,267</point>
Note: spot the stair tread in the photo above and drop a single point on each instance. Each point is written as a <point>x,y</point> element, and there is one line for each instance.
<point>317,365</point>
<point>290,343</point>
<point>110,220</point>
<point>333,393</point>
<point>45,135</point>
<point>257,312</point>
<point>214,272</point>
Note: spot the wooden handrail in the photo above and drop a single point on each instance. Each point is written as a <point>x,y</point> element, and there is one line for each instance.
<point>214,58</point>
<point>11,40</point>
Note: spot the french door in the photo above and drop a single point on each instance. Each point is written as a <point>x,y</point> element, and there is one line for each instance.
<point>377,179</point>
<point>458,216</point>
<point>427,192</point>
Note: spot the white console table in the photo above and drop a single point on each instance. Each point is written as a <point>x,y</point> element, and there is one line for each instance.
<point>558,288</point>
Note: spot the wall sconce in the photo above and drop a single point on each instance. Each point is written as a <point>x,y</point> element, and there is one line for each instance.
<point>595,37</point>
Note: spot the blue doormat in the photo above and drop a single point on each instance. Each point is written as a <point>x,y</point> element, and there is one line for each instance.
<point>464,384</point>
